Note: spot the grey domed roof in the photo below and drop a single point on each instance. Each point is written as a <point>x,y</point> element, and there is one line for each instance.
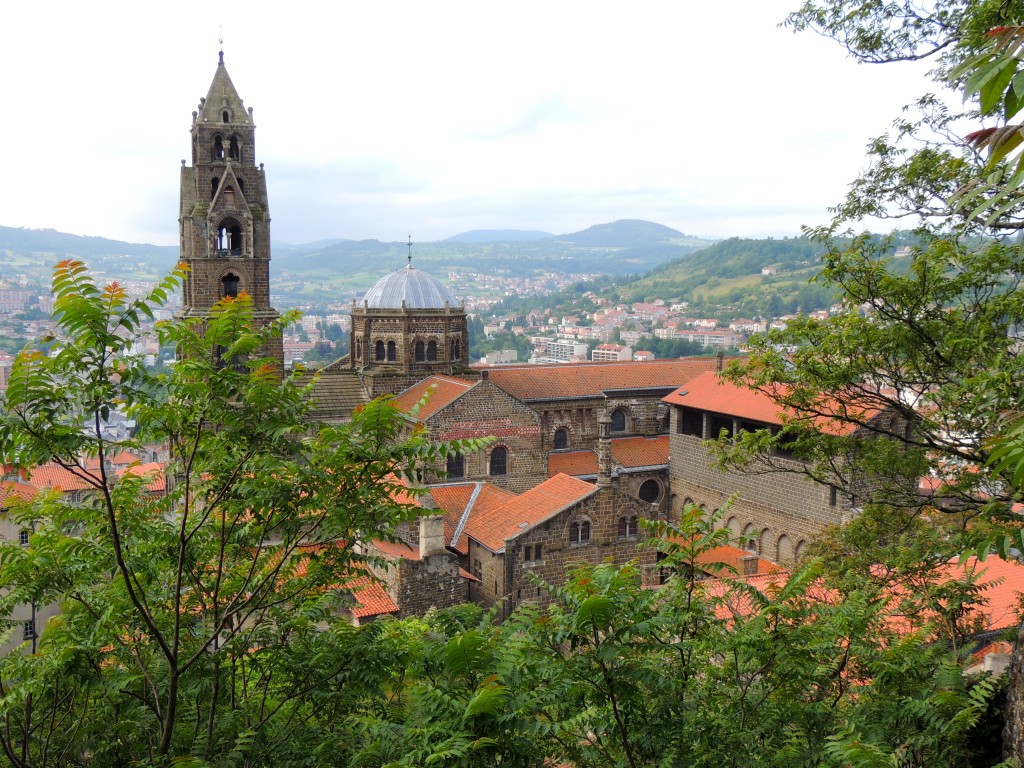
<point>416,288</point>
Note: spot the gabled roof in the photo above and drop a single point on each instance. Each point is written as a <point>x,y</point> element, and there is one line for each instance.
<point>534,506</point>
<point>460,501</point>
<point>549,382</point>
<point>222,94</point>
<point>443,391</point>
<point>708,392</point>
<point>371,598</point>
<point>58,478</point>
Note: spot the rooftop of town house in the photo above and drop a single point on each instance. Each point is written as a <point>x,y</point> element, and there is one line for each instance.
<point>460,501</point>
<point>526,510</point>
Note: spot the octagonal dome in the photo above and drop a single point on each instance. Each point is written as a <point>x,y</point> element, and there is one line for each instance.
<point>416,288</point>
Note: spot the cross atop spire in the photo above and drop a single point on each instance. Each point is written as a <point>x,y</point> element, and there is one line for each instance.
<point>410,249</point>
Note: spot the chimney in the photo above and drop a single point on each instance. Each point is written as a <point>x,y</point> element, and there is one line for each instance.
<point>748,565</point>
<point>431,536</point>
<point>720,354</point>
<point>604,449</point>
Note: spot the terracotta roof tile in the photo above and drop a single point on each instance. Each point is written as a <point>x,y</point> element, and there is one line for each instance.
<point>575,463</point>
<point>454,499</point>
<point>154,468</point>
<point>630,452</point>
<point>492,528</point>
<point>442,390</point>
<point>545,382</point>
<point>371,598</point>
<point>396,549</point>
<point>708,392</point>
<point>53,476</point>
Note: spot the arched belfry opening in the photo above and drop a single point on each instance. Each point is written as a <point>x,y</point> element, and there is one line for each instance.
<point>226,116</point>
<point>234,151</point>
<point>229,285</point>
<point>229,238</point>
<point>218,148</point>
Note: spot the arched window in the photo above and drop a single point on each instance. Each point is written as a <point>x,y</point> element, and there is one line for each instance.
<point>784,550</point>
<point>234,152</point>
<point>456,465</point>
<point>229,285</point>
<point>229,238</point>
<point>619,420</point>
<point>431,351</point>
<point>218,148</point>
<point>456,350</point>
<point>749,537</point>
<point>214,183</point>
<point>420,354</point>
<point>627,527</point>
<point>499,461</point>
<point>800,547</point>
<point>226,116</point>
<point>579,533</point>
<point>380,350</point>
<point>561,438</point>
<point>392,351</point>
<point>649,491</point>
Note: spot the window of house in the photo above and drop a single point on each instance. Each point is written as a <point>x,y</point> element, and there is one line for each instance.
<point>431,351</point>
<point>456,465</point>
<point>499,461</point>
<point>718,424</point>
<point>619,420</point>
<point>456,350</point>
<point>649,491</point>
<point>579,533</point>
<point>690,422</point>
<point>420,352</point>
<point>28,630</point>
<point>561,438</point>
<point>24,536</point>
<point>528,553</point>
<point>537,552</point>
<point>380,350</point>
<point>627,527</point>
<point>833,495</point>
<point>392,351</point>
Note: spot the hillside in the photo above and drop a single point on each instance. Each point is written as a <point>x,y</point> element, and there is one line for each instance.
<point>342,268</point>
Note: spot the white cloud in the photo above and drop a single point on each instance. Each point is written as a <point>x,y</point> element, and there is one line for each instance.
<point>377,119</point>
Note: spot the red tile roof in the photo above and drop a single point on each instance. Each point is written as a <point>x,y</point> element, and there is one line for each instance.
<point>534,506</point>
<point>155,471</point>
<point>371,598</point>
<point>442,390</point>
<point>454,499</point>
<point>631,452</point>
<point>396,549</point>
<point>545,382</point>
<point>708,392</point>
<point>575,463</point>
<point>58,478</point>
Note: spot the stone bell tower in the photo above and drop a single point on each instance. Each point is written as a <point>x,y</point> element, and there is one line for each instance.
<point>224,220</point>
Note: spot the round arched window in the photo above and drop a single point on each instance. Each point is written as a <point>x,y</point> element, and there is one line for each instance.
<point>650,491</point>
<point>561,438</point>
<point>619,420</point>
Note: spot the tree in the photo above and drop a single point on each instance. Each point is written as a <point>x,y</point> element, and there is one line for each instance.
<point>199,620</point>
<point>936,343</point>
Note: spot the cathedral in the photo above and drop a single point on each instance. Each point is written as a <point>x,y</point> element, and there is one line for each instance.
<point>579,453</point>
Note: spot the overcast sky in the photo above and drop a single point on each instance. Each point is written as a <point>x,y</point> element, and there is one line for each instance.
<point>381,119</point>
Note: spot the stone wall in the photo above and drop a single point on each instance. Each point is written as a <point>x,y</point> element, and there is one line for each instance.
<point>487,411</point>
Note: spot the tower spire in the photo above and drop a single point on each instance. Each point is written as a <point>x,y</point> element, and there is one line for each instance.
<point>410,249</point>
